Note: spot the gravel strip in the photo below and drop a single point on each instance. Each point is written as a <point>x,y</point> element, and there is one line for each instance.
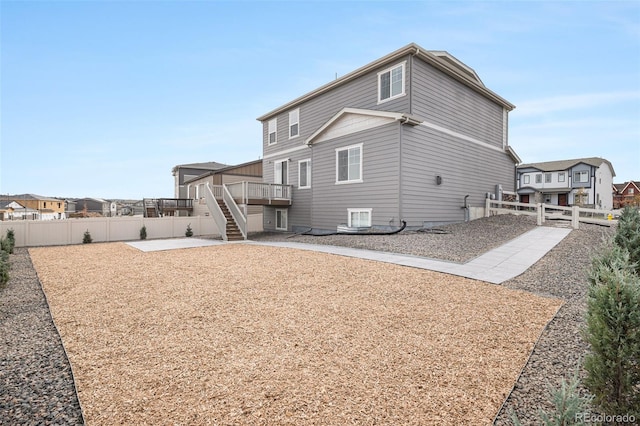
<point>36,384</point>
<point>561,273</point>
<point>461,242</point>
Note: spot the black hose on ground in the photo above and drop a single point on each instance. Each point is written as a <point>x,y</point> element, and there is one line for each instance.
<point>395,231</point>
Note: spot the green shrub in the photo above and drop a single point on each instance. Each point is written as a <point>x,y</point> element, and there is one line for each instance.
<point>613,332</point>
<point>568,405</point>
<point>87,237</point>
<point>189,232</point>
<point>628,235</point>
<point>4,266</point>
<point>6,246</point>
<point>143,232</point>
<point>11,238</point>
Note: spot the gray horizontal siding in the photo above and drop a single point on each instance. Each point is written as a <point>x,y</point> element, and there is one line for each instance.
<point>379,189</point>
<point>448,103</point>
<point>360,93</point>
<point>465,168</point>
<point>299,214</point>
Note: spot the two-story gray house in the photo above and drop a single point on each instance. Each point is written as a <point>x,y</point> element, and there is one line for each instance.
<point>581,181</point>
<point>412,136</point>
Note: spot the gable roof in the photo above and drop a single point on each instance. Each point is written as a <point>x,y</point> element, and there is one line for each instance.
<point>360,119</point>
<point>9,204</point>
<point>621,188</point>
<point>211,165</point>
<point>550,166</point>
<point>438,59</point>
<point>222,170</point>
<point>32,197</point>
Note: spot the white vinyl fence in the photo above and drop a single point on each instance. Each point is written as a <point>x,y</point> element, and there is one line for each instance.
<point>31,233</point>
<point>34,233</point>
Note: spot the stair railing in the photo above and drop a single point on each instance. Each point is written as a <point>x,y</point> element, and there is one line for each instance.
<point>216,212</point>
<point>235,211</point>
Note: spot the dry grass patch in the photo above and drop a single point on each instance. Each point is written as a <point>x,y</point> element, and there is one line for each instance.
<point>241,334</point>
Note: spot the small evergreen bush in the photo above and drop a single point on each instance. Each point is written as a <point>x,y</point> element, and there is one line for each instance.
<point>189,232</point>
<point>4,266</point>
<point>86,239</point>
<point>613,331</point>
<point>11,238</point>
<point>5,245</point>
<point>628,235</point>
<point>568,404</point>
<point>143,233</point>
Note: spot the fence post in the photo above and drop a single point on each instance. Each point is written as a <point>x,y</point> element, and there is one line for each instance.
<point>575,217</point>
<point>487,203</point>
<point>539,214</point>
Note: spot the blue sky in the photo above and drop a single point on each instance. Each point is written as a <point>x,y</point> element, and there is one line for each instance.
<point>103,98</point>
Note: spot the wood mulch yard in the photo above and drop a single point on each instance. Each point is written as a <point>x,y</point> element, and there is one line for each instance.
<point>242,334</point>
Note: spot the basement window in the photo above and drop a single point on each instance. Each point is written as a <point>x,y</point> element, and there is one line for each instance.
<point>359,217</point>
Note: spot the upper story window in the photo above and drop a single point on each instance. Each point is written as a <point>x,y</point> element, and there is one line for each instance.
<point>391,83</point>
<point>349,164</point>
<point>539,178</point>
<point>273,132</point>
<point>294,123</point>
<point>304,174</point>
<point>547,178</point>
<point>581,177</point>
<point>526,179</point>
<point>630,191</point>
<point>561,177</point>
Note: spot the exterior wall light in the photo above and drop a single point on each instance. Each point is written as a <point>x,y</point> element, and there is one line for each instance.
<point>438,180</point>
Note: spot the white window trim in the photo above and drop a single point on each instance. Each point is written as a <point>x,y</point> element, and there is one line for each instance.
<point>526,179</point>
<point>275,130</point>
<point>367,210</point>
<point>548,178</point>
<point>308,185</point>
<point>561,177</point>
<point>404,80</point>
<point>275,170</point>
<point>297,111</point>
<point>346,148</point>
<point>577,173</point>
<point>285,215</point>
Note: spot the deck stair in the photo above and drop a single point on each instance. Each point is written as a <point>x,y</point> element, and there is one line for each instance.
<point>233,232</point>
<point>151,208</point>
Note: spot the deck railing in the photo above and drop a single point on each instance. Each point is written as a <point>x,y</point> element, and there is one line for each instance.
<point>215,210</point>
<point>175,203</point>
<point>236,213</point>
<point>243,192</point>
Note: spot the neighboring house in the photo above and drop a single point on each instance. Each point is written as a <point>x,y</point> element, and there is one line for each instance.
<point>12,210</point>
<point>185,172</point>
<point>583,181</point>
<point>246,172</point>
<point>413,136</point>
<point>95,206</point>
<point>69,207</point>
<point>47,208</point>
<point>626,194</point>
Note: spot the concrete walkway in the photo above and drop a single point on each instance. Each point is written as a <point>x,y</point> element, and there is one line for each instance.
<point>495,266</point>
